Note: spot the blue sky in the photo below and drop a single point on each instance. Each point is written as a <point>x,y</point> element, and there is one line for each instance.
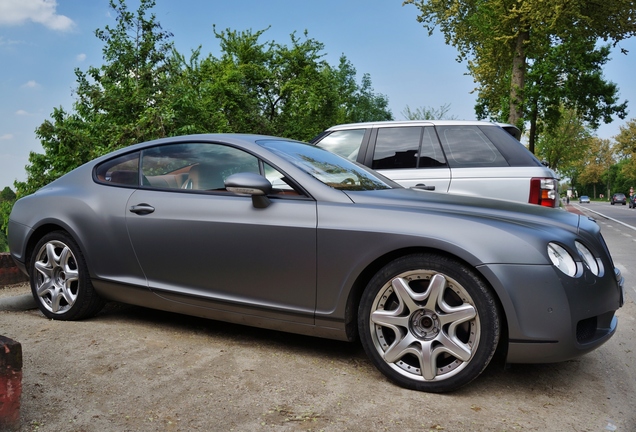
<point>43,41</point>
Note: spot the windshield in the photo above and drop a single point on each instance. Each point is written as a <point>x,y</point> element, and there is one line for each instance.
<point>329,168</point>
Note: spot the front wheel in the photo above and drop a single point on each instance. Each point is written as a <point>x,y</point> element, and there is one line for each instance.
<point>428,323</point>
<point>59,277</point>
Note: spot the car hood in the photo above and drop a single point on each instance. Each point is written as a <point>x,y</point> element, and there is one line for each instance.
<point>510,211</point>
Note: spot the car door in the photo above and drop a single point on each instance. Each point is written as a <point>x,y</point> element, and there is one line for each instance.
<point>201,245</point>
<point>410,156</point>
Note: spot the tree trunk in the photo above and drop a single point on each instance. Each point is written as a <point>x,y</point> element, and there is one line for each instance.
<point>518,78</point>
<point>532,134</point>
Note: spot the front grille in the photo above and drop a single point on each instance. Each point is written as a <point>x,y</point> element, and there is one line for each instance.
<point>585,330</point>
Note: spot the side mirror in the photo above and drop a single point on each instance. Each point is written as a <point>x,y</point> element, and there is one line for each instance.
<point>255,185</point>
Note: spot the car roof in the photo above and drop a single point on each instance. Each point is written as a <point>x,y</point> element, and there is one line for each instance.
<point>416,123</point>
<point>511,129</point>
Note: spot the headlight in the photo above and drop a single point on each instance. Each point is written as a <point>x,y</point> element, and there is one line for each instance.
<point>588,258</point>
<point>562,259</point>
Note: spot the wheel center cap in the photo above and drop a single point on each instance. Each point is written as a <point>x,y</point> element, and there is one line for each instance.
<point>425,324</point>
<point>60,276</point>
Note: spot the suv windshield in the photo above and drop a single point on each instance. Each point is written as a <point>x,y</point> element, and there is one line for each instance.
<point>329,168</point>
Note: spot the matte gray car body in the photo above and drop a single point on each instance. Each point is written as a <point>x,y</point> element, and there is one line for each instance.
<point>301,265</point>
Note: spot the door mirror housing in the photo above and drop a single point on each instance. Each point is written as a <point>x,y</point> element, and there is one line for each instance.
<point>255,185</point>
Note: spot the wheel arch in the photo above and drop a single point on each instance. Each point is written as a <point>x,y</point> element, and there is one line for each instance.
<point>363,279</point>
<point>40,232</point>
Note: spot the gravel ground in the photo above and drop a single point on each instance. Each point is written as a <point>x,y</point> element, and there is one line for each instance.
<point>134,369</point>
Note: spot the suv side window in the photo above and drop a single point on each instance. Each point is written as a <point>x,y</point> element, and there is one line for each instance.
<point>407,147</point>
<point>468,147</point>
<point>345,143</point>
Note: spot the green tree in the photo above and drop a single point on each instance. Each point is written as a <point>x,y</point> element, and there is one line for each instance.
<point>289,91</point>
<point>7,198</point>
<point>624,178</point>
<point>7,194</point>
<point>503,39</point>
<point>570,74</point>
<point>565,143</point>
<point>626,147</point>
<point>597,160</point>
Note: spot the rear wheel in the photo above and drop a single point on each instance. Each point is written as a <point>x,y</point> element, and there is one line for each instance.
<point>429,323</point>
<point>59,279</point>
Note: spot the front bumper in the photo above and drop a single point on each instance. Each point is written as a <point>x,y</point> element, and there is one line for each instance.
<point>551,317</point>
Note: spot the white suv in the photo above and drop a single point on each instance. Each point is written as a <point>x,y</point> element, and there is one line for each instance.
<point>458,157</point>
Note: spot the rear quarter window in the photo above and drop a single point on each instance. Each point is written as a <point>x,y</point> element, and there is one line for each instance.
<point>515,153</point>
<point>468,147</point>
<point>122,170</point>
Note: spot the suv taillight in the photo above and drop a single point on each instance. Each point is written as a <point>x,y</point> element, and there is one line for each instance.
<point>544,191</point>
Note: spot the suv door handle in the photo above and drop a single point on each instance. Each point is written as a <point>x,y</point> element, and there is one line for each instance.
<point>421,186</point>
<point>142,209</point>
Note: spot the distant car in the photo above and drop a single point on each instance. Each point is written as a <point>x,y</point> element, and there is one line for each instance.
<point>280,234</point>
<point>458,157</point>
<point>618,198</point>
<point>632,201</point>
<point>584,199</point>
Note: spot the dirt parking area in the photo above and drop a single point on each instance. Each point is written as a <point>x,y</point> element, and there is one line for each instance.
<point>134,369</point>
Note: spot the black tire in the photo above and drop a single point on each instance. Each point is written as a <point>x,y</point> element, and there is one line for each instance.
<point>60,282</point>
<point>433,343</point>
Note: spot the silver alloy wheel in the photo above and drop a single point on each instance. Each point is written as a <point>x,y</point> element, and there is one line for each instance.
<point>57,277</point>
<point>424,325</point>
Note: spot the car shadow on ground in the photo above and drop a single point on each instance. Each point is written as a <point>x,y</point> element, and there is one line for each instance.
<point>235,332</point>
<point>547,379</point>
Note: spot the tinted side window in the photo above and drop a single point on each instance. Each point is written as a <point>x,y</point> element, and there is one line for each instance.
<point>468,147</point>
<point>397,148</point>
<point>345,143</point>
<point>407,147</point>
<point>123,170</point>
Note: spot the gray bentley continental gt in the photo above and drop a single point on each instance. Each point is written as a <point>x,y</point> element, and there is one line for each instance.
<point>284,235</point>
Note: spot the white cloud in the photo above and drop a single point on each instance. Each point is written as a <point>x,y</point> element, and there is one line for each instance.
<point>6,137</point>
<point>22,113</point>
<point>16,12</point>
<point>81,57</point>
<point>30,84</point>
<point>8,42</point>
